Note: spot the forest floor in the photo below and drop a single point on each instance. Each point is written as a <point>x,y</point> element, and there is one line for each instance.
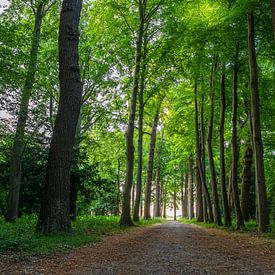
<point>170,248</point>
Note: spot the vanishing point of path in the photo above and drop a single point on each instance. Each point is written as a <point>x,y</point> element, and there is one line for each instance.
<point>170,248</point>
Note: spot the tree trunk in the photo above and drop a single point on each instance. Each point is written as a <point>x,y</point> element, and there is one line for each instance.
<point>256,124</point>
<point>235,150</point>
<point>157,197</point>
<point>147,204</point>
<point>18,143</point>
<point>190,189</point>
<point>217,214</point>
<point>227,218</point>
<point>182,196</point>
<point>118,187</point>
<point>246,178</point>
<point>54,215</point>
<point>198,163</point>
<point>175,204</point>
<point>140,133</point>
<point>125,218</point>
<point>208,215</point>
<point>185,205</point>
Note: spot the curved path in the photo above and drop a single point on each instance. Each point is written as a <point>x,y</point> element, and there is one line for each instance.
<point>170,248</point>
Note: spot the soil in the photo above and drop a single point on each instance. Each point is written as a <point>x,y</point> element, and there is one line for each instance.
<point>170,248</point>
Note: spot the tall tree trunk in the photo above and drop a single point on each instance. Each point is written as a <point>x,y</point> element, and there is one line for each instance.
<point>140,133</point>
<point>256,124</point>
<point>202,170</point>
<point>198,163</point>
<point>185,205</point>
<point>147,204</point>
<point>190,189</point>
<point>54,215</point>
<point>182,196</point>
<point>18,143</point>
<point>164,201</point>
<point>157,196</point>
<point>246,179</point>
<point>217,214</point>
<point>227,218</point>
<point>175,203</point>
<point>235,150</point>
<point>118,187</point>
<point>125,218</point>
<point>230,192</point>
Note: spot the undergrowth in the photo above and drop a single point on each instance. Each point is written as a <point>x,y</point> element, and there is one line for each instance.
<point>20,239</point>
<point>250,227</point>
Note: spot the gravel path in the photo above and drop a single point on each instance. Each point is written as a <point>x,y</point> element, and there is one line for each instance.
<point>170,248</point>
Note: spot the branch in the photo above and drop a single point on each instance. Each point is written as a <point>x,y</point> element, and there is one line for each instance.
<point>125,19</point>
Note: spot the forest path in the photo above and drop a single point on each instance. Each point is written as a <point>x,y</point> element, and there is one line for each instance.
<point>170,248</point>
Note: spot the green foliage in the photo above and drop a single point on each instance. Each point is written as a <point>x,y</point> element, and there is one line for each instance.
<point>22,240</point>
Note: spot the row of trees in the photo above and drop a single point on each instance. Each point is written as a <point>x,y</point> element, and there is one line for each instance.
<point>176,67</point>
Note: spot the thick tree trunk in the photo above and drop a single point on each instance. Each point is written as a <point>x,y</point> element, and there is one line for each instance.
<point>217,214</point>
<point>235,150</point>
<point>18,144</point>
<point>208,215</point>
<point>147,204</point>
<point>140,134</point>
<point>199,203</point>
<point>54,215</point>
<point>125,218</point>
<point>227,218</point>
<point>190,189</point>
<point>157,212</point>
<point>256,124</point>
<point>246,180</point>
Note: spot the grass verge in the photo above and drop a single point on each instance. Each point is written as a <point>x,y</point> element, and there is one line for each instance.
<point>250,227</point>
<point>21,240</point>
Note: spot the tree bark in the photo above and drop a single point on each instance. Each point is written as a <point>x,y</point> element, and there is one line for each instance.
<point>217,214</point>
<point>185,204</point>
<point>235,150</point>
<point>55,209</point>
<point>256,124</point>
<point>198,163</point>
<point>208,215</point>
<point>190,189</point>
<point>157,212</point>
<point>246,178</point>
<point>18,143</point>
<point>175,204</point>
<point>140,134</point>
<point>147,204</point>
<point>125,218</point>
<point>227,218</point>
<point>118,188</point>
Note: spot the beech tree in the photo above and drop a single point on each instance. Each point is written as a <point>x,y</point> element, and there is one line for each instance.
<point>55,210</point>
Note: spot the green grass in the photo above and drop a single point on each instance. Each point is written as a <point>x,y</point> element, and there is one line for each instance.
<point>250,227</point>
<point>22,240</point>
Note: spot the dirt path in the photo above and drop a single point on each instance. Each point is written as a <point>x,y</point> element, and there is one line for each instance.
<point>171,248</point>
